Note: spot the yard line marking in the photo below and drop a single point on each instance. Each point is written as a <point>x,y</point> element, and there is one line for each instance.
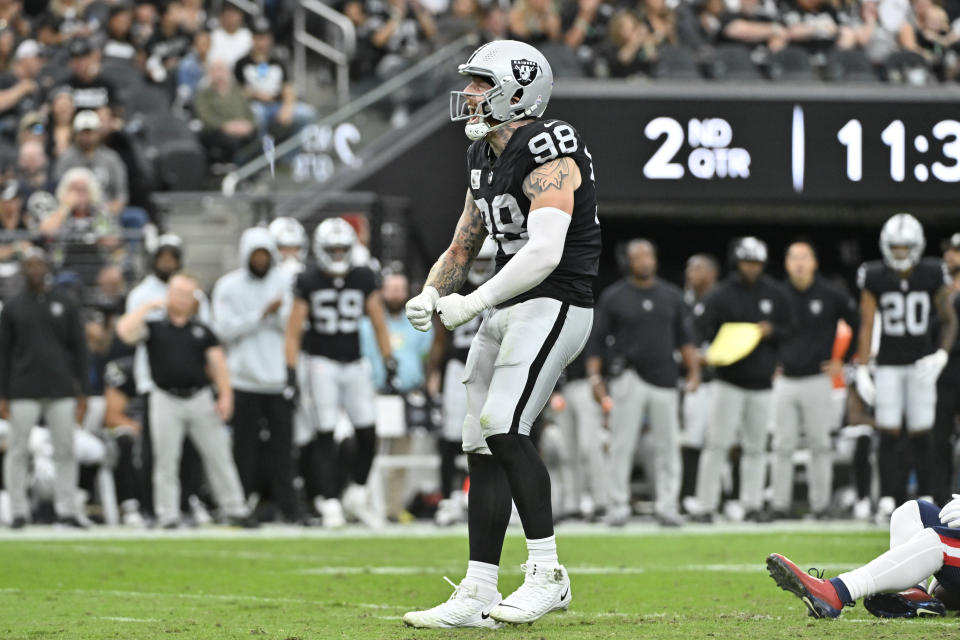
<point>207,596</point>
<point>572,569</point>
<point>122,619</point>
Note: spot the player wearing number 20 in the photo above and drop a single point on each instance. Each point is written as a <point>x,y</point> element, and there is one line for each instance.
<point>332,296</point>
<point>531,188</point>
<point>903,288</point>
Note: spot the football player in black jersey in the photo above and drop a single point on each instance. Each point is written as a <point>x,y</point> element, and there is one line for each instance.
<point>332,296</point>
<point>904,289</point>
<point>531,187</point>
<point>123,418</point>
<point>448,363</point>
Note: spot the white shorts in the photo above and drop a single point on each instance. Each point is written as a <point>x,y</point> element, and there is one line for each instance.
<point>514,363</point>
<point>454,400</point>
<point>334,385</point>
<point>900,391</point>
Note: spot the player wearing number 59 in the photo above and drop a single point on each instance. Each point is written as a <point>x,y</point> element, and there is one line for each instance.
<point>902,289</point>
<point>531,188</point>
<point>333,295</point>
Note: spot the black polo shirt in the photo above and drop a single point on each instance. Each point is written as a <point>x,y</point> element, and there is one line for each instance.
<point>643,327</point>
<point>816,310</point>
<point>178,355</point>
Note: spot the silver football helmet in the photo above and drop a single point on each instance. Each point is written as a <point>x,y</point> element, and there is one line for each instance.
<point>288,233</point>
<point>902,242</point>
<point>484,264</point>
<point>333,242</point>
<point>522,81</point>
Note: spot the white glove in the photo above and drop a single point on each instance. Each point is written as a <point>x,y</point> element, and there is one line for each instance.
<point>420,308</point>
<point>455,309</point>
<point>865,386</point>
<point>928,368</point>
<point>950,514</point>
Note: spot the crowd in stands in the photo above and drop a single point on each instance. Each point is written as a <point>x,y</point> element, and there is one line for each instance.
<point>180,84</point>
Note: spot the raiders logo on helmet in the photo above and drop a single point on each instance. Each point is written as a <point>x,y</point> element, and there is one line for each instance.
<point>525,71</point>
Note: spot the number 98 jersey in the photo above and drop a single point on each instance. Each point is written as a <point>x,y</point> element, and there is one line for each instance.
<point>336,305</point>
<point>496,184</point>
<point>906,306</point>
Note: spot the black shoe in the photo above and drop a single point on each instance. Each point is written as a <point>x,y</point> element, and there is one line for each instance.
<point>18,523</point>
<point>72,522</point>
<point>757,515</point>
<point>245,522</point>
<point>911,603</point>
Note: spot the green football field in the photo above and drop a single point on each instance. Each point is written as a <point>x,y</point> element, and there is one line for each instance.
<point>292,583</point>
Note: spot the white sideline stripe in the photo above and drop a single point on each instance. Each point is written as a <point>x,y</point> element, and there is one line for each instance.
<point>205,596</point>
<point>425,530</point>
<point>574,570</point>
<point>122,619</point>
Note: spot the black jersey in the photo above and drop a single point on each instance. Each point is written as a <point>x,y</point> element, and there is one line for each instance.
<point>905,306</point>
<point>336,306</point>
<point>496,184</point>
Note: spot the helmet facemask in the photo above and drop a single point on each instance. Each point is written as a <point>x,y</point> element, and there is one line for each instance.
<point>335,258</point>
<point>460,109</point>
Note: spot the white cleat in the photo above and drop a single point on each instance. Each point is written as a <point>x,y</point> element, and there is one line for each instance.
<point>331,512</point>
<point>544,589</point>
<point>466,607</point>
<point>356,503</point>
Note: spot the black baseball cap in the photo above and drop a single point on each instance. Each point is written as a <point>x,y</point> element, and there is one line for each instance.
<point>79,47</point>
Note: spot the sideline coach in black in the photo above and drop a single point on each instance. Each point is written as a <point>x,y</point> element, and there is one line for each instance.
<point>43,371</point>
<point>742,393</point>
<point>802,395</point>
<point>181,351</point>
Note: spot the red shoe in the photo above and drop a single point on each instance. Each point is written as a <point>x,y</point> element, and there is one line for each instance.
<point>819,595</point>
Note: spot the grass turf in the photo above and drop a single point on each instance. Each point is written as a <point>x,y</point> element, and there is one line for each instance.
<point>685,585</point>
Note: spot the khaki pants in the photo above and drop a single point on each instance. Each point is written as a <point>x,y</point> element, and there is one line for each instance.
<point>171,419</point>
<point>24,414</point>
<point>633,400</point>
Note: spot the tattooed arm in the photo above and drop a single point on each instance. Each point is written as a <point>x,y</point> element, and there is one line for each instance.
<point>550,189</point>
<point>552,185</point>
<point>450,271</point>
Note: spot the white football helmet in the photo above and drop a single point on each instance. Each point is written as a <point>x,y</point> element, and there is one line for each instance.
<point>516,70</point>
<point>902,242</point>
<point>484,264</point>
<point>288,232</point>
<point>333,242</point>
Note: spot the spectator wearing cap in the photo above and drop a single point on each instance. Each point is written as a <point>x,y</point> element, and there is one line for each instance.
<point>119,44</point>
<point>87,151</point>
<point>266,82</point>
<point>228,123</point>
<point>231,40</point>
<point>43,373</point>
<point>90,89</point>
<point>948,392</point>
<point>170,43</point>
<point>19,91</point>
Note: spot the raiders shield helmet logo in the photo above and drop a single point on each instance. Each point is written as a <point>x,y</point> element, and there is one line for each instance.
<point>525,71</point>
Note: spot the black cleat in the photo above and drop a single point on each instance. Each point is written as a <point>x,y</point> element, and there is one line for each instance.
<point>911,603</point>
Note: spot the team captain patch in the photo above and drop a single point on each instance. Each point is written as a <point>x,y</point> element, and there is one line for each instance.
<point>525,71</point>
